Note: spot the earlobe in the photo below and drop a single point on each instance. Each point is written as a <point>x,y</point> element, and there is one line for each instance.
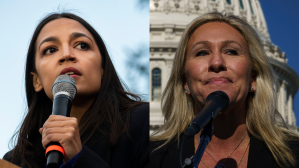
<point>186,88</point>
<point>253,82</point>
<point>36,82</point>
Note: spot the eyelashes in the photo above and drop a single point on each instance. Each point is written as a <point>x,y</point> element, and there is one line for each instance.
<point>231,52</point>
<point>49,50</point>
<point>206,52</point>
<point>202,53</point>
<point>52,49</point>
<point>82,46</point>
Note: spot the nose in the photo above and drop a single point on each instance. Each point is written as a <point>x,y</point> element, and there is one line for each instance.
<point>67,55</point>
<point>217,63</point>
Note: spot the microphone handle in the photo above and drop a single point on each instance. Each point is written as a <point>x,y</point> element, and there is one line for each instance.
<point>62,105</point>
<point>54,157</point>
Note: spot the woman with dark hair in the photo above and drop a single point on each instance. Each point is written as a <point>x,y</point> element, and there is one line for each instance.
<point>107,127</point>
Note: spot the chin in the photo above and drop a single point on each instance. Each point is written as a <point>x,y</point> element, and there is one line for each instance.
<point>217,89</point>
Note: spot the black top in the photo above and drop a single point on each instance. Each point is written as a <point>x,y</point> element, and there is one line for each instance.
<point>131,151</point>
<point>168,156</point>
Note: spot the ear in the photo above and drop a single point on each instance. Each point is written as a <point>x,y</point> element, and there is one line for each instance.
<point>252,82</point>
<point>186,87</point>
<point>36,82</point>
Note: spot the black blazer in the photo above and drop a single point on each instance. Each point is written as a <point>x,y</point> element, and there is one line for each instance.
<point>168,156</point>
<point>131,151</point>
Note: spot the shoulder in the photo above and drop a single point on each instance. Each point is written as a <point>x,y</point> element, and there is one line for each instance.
<point>261,156</point>
<point>294,146</point>
<point>160,154</point>
<point>164,155</point>
<point>8,157</point>
<point>161,147</point>
<point>140,111</point>
<point>139,117</point>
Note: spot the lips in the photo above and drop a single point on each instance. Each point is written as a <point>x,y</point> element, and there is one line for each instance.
<point>218,81</point>
<point>76,72</point>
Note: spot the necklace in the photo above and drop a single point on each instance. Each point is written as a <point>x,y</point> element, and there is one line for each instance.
<point>221,165</point>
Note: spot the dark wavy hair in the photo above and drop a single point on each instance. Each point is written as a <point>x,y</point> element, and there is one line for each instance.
<point>111,105</point>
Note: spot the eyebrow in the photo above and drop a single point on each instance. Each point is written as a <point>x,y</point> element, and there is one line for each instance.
<point>72,37</point>
<point>77,35</point>
<point>223,42</point>
<point>230,41</point>
<point>52,38</point>
<point>200,42</point>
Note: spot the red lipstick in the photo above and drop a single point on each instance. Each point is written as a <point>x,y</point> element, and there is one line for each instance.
<point>76,72</point>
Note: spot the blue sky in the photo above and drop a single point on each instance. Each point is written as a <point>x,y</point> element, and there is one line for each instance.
<point>122,25</point>
<point>282,18</point>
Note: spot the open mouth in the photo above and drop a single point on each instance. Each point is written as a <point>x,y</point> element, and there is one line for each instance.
<point>72,72</point>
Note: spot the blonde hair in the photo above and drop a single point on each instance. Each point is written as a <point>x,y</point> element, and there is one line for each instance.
<point>261,115</point>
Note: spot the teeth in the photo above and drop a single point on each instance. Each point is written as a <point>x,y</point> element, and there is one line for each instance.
<point>69,73</point>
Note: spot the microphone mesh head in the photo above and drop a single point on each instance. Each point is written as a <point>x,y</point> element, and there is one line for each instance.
<point>64,84</point>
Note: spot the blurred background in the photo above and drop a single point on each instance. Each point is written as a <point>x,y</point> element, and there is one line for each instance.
<point>123,25</point>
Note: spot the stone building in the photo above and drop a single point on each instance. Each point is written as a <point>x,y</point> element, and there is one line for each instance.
<point>168,20</point>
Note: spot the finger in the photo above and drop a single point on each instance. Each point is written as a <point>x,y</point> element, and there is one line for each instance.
<point>51,138</point>
<point>61,123</point>
<point>57,118</point>
<point>63,130</point>
<point>58,137</point>
<point>41,130</point>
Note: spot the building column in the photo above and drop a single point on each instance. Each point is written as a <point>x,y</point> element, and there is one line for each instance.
<point>290,110</point>
<point>282,100</point>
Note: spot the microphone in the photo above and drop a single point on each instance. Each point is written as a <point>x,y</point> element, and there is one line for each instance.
<point>216,102</point>
<point>64,90</point>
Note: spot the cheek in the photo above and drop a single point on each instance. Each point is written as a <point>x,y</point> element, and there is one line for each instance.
<point>194,70</point>
<point>47,77</point>
<point>95,73</point>
<point>242,71</point>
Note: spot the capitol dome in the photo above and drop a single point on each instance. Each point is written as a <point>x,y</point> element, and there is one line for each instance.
<point>168,20</point>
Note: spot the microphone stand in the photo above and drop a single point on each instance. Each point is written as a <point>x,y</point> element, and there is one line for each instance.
<point>216,102</point>
<point>205,137</point>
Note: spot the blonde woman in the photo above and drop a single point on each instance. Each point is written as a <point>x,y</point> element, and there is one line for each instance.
<point>219,52</point>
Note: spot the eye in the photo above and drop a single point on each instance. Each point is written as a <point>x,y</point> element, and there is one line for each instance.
<point>82,46</point>
<point>202,53</point>
<point>49,50</point>
<point>231,52</point>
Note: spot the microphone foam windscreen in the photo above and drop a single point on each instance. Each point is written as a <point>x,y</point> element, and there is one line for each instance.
<point>64,84</point>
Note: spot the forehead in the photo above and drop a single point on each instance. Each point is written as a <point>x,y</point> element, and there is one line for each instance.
<point>215,32</point>
<point>61,28</point>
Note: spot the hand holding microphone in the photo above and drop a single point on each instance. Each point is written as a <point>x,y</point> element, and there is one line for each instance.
<point>65,131</point>
<point>60,133</point>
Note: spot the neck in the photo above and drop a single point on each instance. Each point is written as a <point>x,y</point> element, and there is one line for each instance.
<point>229,128</point>
<point>79,107</point>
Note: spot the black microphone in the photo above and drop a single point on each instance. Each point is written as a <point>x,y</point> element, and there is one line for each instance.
<point>216,102</point>
<point>64,90</point>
